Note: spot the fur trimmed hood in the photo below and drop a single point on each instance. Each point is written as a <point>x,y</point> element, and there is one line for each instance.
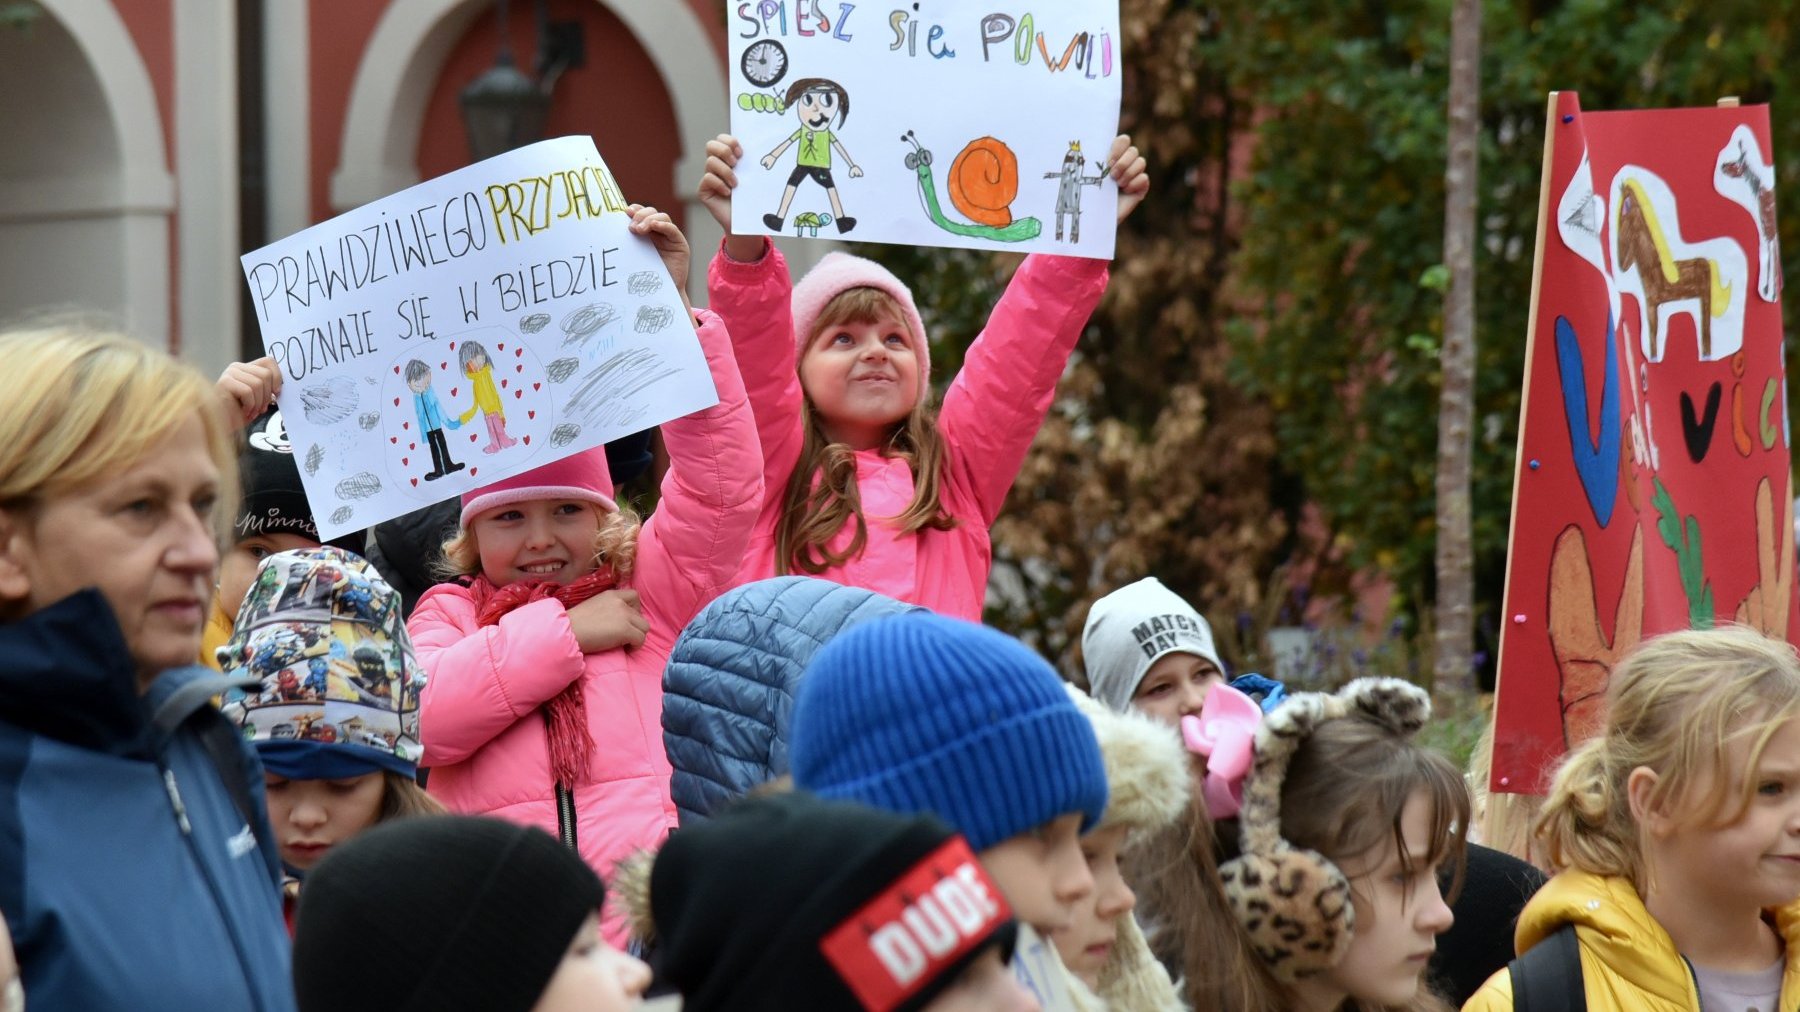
<point>1147,768</point>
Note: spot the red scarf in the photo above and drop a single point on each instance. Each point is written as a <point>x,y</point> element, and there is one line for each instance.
<point>565,716</point>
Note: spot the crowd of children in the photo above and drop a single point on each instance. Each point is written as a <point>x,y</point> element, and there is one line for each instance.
<point>766,721</point>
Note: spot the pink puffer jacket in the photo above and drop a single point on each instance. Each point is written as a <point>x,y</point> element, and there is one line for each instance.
<point>483,735</point>
<point>990,415</point>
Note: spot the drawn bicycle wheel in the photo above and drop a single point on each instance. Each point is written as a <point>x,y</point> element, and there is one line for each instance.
<point>764,63</point>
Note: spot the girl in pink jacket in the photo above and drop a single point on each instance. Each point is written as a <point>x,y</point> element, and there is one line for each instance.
<point>545,700</point>
<point>865,482</point>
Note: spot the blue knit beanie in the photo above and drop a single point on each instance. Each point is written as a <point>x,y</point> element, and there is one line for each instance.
<point>921,713</point>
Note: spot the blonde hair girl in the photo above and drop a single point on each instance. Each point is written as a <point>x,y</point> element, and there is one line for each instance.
<point>544,704</point>
<point>1676,832</point>
<point>865,482</point>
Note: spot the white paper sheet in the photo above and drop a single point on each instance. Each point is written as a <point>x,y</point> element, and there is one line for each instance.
<point>934,123</point>
<point>466,329</point>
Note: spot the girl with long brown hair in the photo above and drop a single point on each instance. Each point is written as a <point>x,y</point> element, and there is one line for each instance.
<point>866,482</point>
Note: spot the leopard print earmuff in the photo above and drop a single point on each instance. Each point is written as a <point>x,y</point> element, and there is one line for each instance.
<point>1293,903</point>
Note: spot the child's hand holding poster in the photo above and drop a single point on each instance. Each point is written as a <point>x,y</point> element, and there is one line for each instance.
<point>469,328</point>
<point>933,123</point>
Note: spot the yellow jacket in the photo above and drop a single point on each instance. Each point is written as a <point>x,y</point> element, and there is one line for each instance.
<point>1628,962</point>
<point>487,398</point>
<point>219,627</point>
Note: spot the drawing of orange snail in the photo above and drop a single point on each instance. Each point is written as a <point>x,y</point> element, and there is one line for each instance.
<point>984,179</point>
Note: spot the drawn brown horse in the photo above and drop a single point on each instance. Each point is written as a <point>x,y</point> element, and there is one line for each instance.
<point>1694,278</point>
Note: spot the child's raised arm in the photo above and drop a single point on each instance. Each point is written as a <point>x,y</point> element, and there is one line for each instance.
<point>691,549</point>
<point>749,287</point>
<point>997,403</point>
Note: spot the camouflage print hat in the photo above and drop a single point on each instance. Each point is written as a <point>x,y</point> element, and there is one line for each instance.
<point>340,683</point>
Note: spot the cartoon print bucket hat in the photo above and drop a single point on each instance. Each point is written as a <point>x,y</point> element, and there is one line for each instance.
<point>340,682</point>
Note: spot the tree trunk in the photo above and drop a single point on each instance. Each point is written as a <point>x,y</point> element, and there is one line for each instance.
<point>1453,664</point>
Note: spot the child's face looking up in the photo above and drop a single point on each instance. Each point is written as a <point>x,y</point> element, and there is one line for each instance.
<point>545,539</point>
<point>1042,873</point>
<point>862,379</point>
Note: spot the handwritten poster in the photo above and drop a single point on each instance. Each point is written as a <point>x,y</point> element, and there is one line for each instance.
<point>1652,490</point>
<point>933,123</point>
<point>469,328</point>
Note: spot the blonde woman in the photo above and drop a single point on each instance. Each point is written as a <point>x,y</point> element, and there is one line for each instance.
<point>126,801</point>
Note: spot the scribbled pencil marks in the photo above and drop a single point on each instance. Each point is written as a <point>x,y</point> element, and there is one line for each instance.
<point>564,434</point>
<point>330,402</point>
<point>605,396</point>
<point>581,324</point>
<point>654,319</point>
<point>368,420</point>
<point>342,514</point>
<point>561,369</point>
<point>644,283</point>
<point>315,456</point>
<point>534,323</point>
<point>361,485</point>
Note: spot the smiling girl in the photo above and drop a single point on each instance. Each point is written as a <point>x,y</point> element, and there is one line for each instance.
<point>545,701</point>
<point>865,482</point>
<point>1676,834</point>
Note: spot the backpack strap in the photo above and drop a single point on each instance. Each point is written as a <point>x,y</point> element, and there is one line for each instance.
<point>1548,977</point>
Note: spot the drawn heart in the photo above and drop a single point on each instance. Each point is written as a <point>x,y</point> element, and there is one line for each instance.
<point>415,482</point>
<point>412,446</point>
<point>502,347</point>
<point>518,368</point>
<point>393,439</point>
<point>453,391</point>
<point>404,461</point>
<point>406,425</point>
<point>452,345</point>
<point>396,402</point>
<point>527,440</point>
<point>518,352</point>
<point>472,471</point>
<point>530,414</point>
<point>518,394</point>
<point>503,384</point>
<point>471,439</point>
<point>396,370</point>
<point>443,365</point>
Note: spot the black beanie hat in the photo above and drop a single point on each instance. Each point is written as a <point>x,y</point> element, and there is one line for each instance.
<point>794,902</point>
<point>439,914</point>
<point>274,501</point>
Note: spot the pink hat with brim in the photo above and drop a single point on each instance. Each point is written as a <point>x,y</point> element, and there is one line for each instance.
<point>837,273</point>
<point>582,476</point>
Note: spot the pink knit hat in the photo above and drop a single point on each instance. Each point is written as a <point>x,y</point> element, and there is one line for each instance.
<point>582,476</point>
<point>840,272</point>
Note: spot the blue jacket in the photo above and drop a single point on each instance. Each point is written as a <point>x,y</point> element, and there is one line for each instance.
<point>729,688</point>
<point>431,414</point>
<point>127,874</point>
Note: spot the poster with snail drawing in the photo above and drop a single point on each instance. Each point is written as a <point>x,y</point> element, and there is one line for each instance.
<point>927,123</point>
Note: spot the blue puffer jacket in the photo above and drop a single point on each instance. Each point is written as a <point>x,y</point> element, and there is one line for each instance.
<point>128,875</point>
<point>729,688</point>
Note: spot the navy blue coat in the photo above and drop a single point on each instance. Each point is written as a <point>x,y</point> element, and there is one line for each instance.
<point>729,687</point>
<point>128,875</point>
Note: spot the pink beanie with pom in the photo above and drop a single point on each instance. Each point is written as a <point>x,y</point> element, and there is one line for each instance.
<point>582,476</point>
<point>838,273</point>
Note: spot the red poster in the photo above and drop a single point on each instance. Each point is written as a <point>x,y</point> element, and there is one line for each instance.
<point>1652,490</point>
